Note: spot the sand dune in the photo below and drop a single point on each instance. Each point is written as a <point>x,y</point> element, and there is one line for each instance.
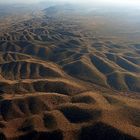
<point>85,63</point>
<point>59,80</point>
<point>50,115</point>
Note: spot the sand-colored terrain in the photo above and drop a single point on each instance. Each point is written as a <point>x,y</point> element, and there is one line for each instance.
<point>60,80</point>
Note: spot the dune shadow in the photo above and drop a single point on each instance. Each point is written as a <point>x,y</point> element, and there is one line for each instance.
<point>55,135</point>
<point>101,131</point>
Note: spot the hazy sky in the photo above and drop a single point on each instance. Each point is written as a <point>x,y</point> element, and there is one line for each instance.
<point>130,2</point>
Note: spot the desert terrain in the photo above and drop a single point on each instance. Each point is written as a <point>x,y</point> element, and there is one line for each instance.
<point>69,73</point>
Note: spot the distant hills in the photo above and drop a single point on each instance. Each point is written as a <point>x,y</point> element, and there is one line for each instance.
<point>67,42</point>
